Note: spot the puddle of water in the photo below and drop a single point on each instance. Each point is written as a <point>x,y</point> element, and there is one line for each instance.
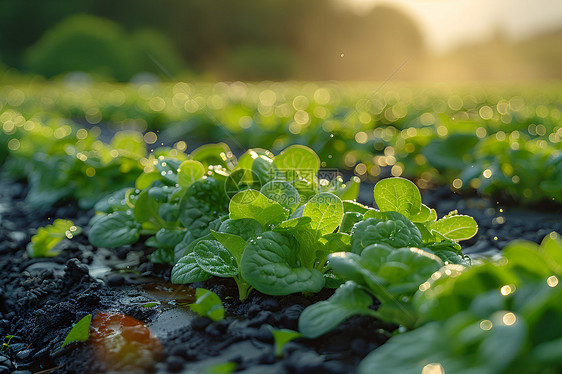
<point>105,262</point>
<point>168,293</point>
<point>170,301</point>
<point>173,304</point>
<point>123,343</point>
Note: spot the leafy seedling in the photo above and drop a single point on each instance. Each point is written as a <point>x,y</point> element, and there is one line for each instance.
<point>393,252</point>
<point>497,316</point>
<point>208,304</point>
<point>282,337</point>
<point>43,244</point>
<point>222,368</point>
<point>6,344</point>
<point>151,304</point>
<point>80,332</point>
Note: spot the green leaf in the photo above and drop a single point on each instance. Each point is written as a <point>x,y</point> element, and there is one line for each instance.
<point>300,158</point>
<point>336,242</point>
<point>253,204</point>
<point>398,195</point>
<point>449,257</point>
<point>246,228</point>
<point>203,202</point>
<point>80,332</point>
<point>415,266</point>
<point>322,317</point>
<point>169,212</point>
<point>170,237</point>
<point>233,243</point>
<point>190,171</point>
<point>150,304</point>
<point>152,242</point>
<point>397,232</point>
<point>44,242</point>
<point>348,265</point>
<point>326,212</point>
<point>114,230</point>
<point>187,244</point>
<point>129,143</point>
<point>146,179</point>
<point>306,187</point>
<point>146,208</point>
<point>453,287</point>
<point>392,275</point>
<point>408,353</point>
<point>113,202</point>
<point>423,216</point>
<point>208,304</point>
<point>504,342</point>
<point>247,158</point>
<point>551,247</point>
<point>457,227</point>
<point>290,225</point>
<point>283,193</point>
<point>282,337</point>
<point>241,180</point>
<point>299,229</point>
<point>214,154</point>
<point>269,263</point>
<point>163,255</point>
<point>159,193</point>
<point>353,206</point>
<point>168,168</point>
<point>298,212</point>
<point>222,368</point>
<point>350,191</point>
<point>349,220</point>
<point>450,153</point>
<point>524,258</point>
<point>432,215</point>
<point>188,271</point>
<point>215,259</point>
<point>264,169</point>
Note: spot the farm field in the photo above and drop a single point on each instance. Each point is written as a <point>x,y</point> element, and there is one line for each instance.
<point>280,227</point>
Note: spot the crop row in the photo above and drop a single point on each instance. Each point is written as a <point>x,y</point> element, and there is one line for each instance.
<point>272,225</point>
<point>500,142</point>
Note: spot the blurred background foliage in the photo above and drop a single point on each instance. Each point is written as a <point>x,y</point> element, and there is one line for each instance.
<point>253,40</point>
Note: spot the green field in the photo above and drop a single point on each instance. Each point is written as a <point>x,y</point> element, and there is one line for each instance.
<point>503,141</point>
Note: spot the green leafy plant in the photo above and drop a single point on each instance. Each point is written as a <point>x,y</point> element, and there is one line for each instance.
<point>208,304</point>
<point>174,203</point>
<point>80,332</point>
<point>501,316</point>
<point>391,275</point>
<point>282,337</point>
<point>276,239</point>
<point>44,243</point>
<point>151,304</point>
<point>392,252</point>
<point>66,162</point>
<point>6,343</point>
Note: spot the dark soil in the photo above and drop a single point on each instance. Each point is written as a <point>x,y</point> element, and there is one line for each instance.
<point>40,299</point>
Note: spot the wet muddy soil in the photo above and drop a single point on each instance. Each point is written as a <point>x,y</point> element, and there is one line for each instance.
<point>129,297</point>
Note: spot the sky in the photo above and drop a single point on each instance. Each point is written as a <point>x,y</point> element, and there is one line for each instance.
<point>448,24</point>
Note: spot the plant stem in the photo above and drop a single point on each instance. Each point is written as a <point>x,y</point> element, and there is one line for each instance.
<point>244,288</point>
